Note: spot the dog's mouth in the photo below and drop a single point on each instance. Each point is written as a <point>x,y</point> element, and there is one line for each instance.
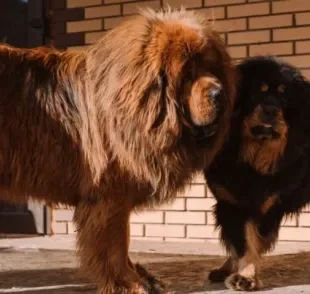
<point>264,132</point>
<point>205,133</point>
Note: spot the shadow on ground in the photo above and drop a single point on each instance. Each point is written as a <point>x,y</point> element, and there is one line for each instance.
<point>182,274</point>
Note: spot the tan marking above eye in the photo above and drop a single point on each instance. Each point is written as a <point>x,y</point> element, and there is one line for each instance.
<point>264,87</point>
<point>281,88</point>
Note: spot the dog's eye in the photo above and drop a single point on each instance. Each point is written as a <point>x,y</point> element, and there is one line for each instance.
<point>281,88</point>
<point>284,102</point>
<point>264,87</point>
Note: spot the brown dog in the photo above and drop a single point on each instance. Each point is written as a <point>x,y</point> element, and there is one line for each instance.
<point>121,126</point>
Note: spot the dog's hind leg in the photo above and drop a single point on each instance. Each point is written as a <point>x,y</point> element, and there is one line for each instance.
<point>103,241</point>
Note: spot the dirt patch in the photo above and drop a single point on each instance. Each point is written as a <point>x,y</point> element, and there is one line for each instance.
<point>181,273</point>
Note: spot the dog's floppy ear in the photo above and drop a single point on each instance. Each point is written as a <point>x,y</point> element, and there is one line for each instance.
<point>240,89</point>
<point>302,92</point>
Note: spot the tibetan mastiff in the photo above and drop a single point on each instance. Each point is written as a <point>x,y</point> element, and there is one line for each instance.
<point>262,174</point>
<point>120,126</point>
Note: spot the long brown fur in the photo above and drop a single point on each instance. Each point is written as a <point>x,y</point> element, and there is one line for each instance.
<point>111,129</point>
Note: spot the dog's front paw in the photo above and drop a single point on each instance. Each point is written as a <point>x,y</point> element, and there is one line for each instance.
<point>154,285</point>
<point>218,275</point>
<point>139,288</point>
<point>240,283</point>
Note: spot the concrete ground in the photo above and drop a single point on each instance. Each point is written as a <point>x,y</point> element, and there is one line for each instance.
<point>48,265</point>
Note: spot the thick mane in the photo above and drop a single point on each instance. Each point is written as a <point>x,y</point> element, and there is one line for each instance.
<point>141,125</point>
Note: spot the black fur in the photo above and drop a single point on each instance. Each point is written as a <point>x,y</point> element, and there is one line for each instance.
<point>290,178</point>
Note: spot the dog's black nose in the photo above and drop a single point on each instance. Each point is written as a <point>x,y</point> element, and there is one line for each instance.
<point>270,112</point>
<point>215,92</point>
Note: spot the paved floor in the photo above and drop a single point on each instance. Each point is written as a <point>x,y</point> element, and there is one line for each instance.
<point>25,268</point>
<point>77,289</point>
<point>305,289</point>
<point>67,242</point>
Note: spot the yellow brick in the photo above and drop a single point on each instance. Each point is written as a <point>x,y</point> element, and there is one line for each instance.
<point>186,3</point>
<point>299,60</point>
<point>208,3</point>
<point>186,217</point>
<point>304,220</point>
<point>84,26</point>
<point>177,204</point>
<point>63,214</point>
<point>272,48</point>
<point>294,234</point>
<point>303,18</point>
<point>172,231</point>
<point>291,34</point>
<point>131,8</point>
<point>136,230</point>
<point>230,25</point>
<point>205,232</point>
<point>210,218</point>
<point>184,240</point>
<point>306,208</point>
<point>91,38</point>
<point>248,10</point>
<point>223,37</point>
<point>290,6</point>
<point>147,238</point>
<point>82,3</point>
<point>194,190</point>
<point>290,222</point>
<point>102,11</point>
<point>71,228</point>
<point>209,193</point>
<point>151,217</point>
<point>237,52</point>
<point>59,228</point>
<point>272,21</point>
<point>112,22</point>
<point>214,12</point>
<point>200,204</point>
<point>249,37</point>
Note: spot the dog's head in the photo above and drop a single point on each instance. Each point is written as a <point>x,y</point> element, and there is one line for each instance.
<point>273,103</point>
<point>207,91</point>
<point>167,82</point>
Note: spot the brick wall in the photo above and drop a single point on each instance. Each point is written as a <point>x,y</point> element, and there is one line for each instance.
<point>249,27</point>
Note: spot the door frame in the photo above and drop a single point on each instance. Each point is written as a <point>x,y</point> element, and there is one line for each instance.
<point>37,219</point>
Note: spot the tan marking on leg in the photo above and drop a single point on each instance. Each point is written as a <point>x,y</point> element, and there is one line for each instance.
<point>221,193</point>
<point>246,278</point>
<point>269,203</point>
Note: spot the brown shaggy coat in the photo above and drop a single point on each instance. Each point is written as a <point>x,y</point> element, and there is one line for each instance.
<point>120,126</point>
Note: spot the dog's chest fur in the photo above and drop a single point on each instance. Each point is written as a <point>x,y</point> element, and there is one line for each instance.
<point>248,187</point>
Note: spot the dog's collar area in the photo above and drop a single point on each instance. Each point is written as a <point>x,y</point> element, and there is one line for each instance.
<point>205,132</point>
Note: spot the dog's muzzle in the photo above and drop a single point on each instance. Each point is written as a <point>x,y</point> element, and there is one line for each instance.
<point>266,129</point>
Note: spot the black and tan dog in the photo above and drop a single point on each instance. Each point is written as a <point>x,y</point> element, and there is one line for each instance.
<point>262,174</point>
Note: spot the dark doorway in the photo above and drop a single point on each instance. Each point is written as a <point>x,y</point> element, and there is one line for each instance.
<point>22,24</point>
